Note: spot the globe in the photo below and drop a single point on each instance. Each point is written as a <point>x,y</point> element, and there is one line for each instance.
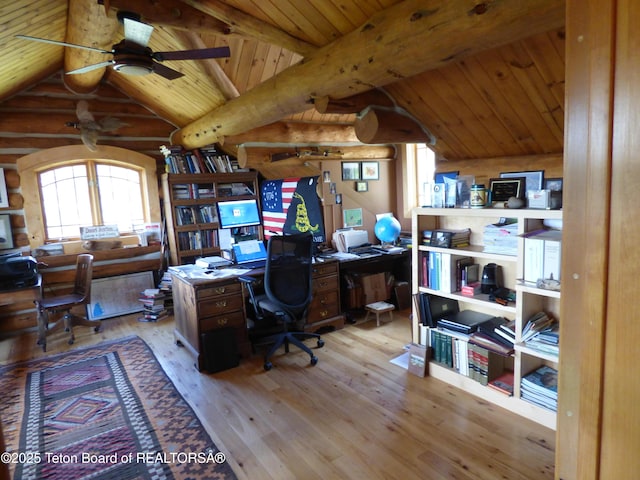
<point>387,229</point>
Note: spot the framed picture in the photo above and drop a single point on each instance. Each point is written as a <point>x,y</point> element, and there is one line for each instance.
<point>502,189</point>
<point>534,178</point>
<point>362,186</point>
<point>326,176</point>
<point>352,217</point>
<point>553,184</point>
<point>6,239</point>
<point>332,188</point>
<point>338,199</point>
<point>350,171</point>
<point>370,171</point>
<point>4,197</point>
<point>440,176</point>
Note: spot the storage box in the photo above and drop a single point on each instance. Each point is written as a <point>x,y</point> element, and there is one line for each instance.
<point>542,256</point>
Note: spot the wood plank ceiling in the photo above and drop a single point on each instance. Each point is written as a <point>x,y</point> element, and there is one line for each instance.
<point>501,101</point>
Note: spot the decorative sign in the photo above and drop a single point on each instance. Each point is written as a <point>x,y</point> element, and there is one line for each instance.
<point>99,231</point>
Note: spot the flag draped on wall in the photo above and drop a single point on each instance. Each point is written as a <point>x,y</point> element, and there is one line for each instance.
<point>291,205</point>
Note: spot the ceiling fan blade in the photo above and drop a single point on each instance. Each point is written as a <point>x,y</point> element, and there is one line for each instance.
<point>166,72</point>
<point>88,68</point>
<point>62,44</point>
<point>137,32</point>
<point>197,54</point>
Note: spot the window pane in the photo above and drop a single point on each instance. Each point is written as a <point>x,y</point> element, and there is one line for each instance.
<point>120,197</point>
<point>65,201</point>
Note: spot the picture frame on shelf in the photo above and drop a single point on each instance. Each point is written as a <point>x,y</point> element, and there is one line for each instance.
<point>362,186</point>
<point>350,171</point>
<point>534,178</point>
<point>370,171</point>
<point>502,189</point>
<point>553,184</point>
<point>6,237</point>
<point>4,196</point>
<point>352,217</point>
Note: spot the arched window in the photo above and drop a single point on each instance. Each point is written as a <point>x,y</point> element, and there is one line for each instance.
<point>68,187</point>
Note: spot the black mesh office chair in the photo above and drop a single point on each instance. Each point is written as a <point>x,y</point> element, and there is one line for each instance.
<point>284,305</point>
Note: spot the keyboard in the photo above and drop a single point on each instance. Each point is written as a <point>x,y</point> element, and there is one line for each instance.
<point>252,264</point>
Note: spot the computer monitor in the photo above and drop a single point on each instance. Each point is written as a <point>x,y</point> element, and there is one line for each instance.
<point>238,213</point>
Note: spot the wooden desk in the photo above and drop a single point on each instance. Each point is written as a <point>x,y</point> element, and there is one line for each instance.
<point>204,305</point>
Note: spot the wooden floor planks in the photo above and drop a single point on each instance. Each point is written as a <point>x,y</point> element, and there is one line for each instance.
<point>353,415</point>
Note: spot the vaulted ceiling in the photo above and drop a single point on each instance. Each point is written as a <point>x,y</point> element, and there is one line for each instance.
<point>484,79</point>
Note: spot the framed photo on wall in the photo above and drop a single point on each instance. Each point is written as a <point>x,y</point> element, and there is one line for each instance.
<point>350,170</point>
<point>6,238</point>
<point>362,186</point>
<point>370,171</point>
<point>352,217</point>
<point>4,197</point>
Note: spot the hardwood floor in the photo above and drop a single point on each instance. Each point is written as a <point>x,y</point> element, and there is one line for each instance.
<point>353,415</point>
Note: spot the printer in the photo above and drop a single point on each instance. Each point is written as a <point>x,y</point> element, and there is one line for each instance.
<point>17,271</point>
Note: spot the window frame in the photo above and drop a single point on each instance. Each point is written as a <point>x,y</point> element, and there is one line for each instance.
<point>31,165</point>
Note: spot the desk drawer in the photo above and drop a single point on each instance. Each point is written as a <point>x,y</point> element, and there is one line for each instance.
<point>220,304</point>
<point>233,319</point>
<point>217,290</point>
<point>320,269</point>
<point>323,306</point>
<point>325,284</point>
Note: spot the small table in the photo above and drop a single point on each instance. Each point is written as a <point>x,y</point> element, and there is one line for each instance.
<point>378,308</point>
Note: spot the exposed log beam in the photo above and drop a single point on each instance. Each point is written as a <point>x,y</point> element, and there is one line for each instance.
<point>173,14</point>
<point>295,134</point>
<point>211,66</point>
<point>353,104</point>
<point>388,47</point>
<point>87,24</point>
<point>388,125</point>
<point>257,157</point>
<point>241,22</point>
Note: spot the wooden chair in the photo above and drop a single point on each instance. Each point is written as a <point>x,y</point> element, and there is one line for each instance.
<point>80,296</point>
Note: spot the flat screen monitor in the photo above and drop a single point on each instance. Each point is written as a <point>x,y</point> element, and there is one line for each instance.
<point>238,213</point>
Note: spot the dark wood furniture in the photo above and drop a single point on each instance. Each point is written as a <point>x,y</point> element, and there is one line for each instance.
<point>204,305</point>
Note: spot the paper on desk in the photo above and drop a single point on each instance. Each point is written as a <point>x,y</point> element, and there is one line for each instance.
<point>344,256</point>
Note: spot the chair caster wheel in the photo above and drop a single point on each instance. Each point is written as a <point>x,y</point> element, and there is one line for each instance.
<point>70,342</point>
<point>314,360</point>
<point>320,343</point>
<point>96,329</point>
<point>268,366</point>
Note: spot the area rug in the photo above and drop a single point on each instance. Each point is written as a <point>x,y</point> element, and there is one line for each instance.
<point>104,412</point>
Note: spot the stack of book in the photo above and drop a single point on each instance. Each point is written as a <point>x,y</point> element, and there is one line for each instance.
<point>153,301</point>
<point>540,387</point>
<point>487,337</point>
<point>501,238</point>
<point>449,238</point>
<point>536,324</point>
<point>507,331</point>
<point>546,340</point>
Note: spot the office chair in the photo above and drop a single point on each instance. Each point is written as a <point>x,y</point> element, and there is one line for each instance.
<point>284,305</point>
<point>80,296</point>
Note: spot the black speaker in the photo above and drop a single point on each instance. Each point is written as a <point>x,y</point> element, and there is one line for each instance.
<point>219,350</point>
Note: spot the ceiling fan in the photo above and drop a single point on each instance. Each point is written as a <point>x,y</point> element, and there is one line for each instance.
<point>132,56</point>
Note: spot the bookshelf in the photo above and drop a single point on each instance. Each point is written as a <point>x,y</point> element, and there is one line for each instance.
<point>190,209</point>
<point>528,298</point>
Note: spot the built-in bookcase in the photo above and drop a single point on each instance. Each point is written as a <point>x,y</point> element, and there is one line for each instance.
<point>190,209</point>
<point>529,299</point>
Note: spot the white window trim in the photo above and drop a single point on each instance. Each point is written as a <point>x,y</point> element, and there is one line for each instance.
<point>30,165</point>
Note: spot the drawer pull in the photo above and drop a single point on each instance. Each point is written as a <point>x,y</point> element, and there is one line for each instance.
<point>221,304</point>
<point>220,290</point>
<point>223,321</point>
<point>324,313</point>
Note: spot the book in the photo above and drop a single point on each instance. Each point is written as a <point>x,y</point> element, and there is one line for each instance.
<point>542,381</point>
<point>503,383</point>
<point>535,324</point>
<point>499,347</point>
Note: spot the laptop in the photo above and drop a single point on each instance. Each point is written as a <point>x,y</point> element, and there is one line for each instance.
<point>250,254</point>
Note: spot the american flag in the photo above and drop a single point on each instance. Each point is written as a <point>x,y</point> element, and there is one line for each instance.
<point>276,199</point>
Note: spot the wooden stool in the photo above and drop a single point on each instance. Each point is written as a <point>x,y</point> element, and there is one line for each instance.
<point>378,308</point>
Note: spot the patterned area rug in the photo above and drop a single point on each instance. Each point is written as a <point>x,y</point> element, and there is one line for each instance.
<point>104,412</point>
